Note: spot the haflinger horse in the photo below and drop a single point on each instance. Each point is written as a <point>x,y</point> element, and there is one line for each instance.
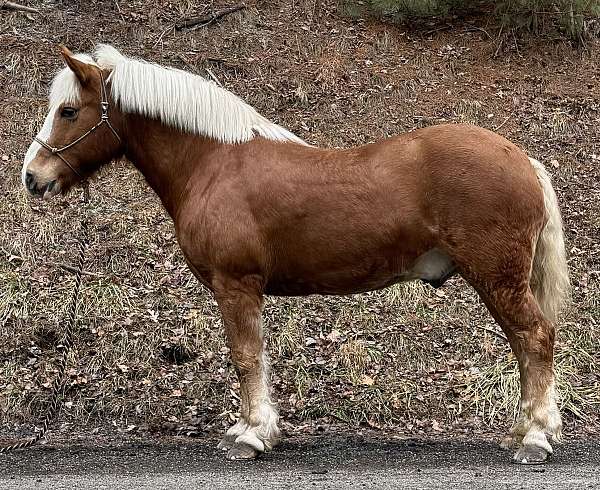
<point>257,211</point>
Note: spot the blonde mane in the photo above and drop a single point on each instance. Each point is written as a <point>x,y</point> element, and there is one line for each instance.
<point>177,98</point>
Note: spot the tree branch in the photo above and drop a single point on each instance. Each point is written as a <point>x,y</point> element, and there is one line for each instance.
<point>206,20</point>
<point>74,270</point>
<point>17,6</point>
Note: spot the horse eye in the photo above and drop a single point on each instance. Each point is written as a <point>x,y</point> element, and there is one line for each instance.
<point>68,113</point>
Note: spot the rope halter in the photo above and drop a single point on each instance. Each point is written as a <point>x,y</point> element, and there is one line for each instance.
<point>103,120</point>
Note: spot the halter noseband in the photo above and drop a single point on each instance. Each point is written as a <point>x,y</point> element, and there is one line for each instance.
<point>103,120</point>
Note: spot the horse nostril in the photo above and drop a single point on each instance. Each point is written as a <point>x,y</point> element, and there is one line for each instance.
<point>29,180</point>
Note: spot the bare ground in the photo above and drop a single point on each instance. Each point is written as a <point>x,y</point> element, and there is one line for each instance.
<point>151,354</point>
<point>322,462</point>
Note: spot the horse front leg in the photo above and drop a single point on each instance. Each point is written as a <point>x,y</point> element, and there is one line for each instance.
<point>240,302</point>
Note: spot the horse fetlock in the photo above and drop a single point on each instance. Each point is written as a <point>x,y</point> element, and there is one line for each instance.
<point>553,425</point>
<point>263,438</point>
<point>555,435</point>
<point>251,438</point>
<point>242,446</point>
<point>265,420</point>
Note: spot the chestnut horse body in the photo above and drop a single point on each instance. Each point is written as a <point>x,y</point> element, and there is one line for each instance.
<point>259,212</point>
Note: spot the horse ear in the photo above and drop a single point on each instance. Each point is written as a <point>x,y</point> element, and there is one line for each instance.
<point>83,71</point>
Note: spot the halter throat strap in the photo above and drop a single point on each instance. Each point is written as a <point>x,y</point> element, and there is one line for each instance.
<point>104,106</point>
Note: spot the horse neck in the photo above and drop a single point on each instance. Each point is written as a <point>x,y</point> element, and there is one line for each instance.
<point>168,159</point>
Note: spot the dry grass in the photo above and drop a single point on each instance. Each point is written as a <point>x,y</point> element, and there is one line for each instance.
<point>151,352</point>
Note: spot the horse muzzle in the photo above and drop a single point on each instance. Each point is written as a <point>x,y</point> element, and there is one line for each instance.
<point>45,190</point>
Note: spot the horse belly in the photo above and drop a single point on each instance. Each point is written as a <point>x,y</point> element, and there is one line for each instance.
<point>432,266</point>
<point>332,283</point>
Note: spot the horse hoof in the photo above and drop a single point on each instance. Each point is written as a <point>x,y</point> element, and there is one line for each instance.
<point>529,454</point>
<point>241,451</point>
<point>226,443</point>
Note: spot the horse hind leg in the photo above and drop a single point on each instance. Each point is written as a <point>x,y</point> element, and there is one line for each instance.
<point>531,337</point>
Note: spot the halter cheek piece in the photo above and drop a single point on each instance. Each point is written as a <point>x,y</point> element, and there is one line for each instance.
<point>103,120</point>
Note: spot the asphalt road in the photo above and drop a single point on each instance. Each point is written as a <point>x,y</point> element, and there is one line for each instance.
<point>316,462</point>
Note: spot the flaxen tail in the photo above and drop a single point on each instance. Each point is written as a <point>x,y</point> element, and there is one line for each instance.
<point>550,277</point>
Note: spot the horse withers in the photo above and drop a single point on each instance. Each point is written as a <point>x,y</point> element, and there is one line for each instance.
<point>257,211</point>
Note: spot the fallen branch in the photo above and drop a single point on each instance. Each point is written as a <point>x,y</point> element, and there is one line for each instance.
<point>74,270</point>
<point>17,6</point>
<point>206,20</point>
